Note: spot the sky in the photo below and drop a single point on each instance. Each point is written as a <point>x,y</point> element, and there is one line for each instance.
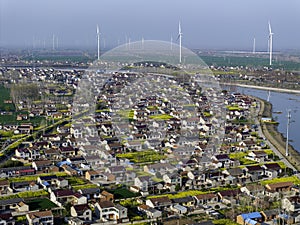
<point>206,24</point>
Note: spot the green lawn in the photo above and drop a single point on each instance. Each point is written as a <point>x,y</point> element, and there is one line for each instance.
<point>161,117</point>
<point>121,193</point>
<point>293,179</point>
<point>40,204</point>
<point>5,95</point>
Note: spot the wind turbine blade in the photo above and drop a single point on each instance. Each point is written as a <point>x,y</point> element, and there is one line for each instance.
<point>98,29</point>
<point>270,30</point>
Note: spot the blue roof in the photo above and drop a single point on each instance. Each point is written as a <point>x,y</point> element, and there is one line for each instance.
<point>46,183</point>
<point>250,221</point>
<point>252,215</point>
<point>63,163</point>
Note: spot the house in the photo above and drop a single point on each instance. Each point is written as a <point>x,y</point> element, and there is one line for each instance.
<point>279,187</point>
<point>291,204</point>
<point>106,196</point>
<point>203,199</point>
<point>23,186</point>
<point>159,203</point>
<point>7,219</point>
<point>53,182</point>
<point>8,204</point>
<point>161,168</point>
<point>82,212</point>
<point>4,185</point>
<point>90,193</point>
<point>41,218</point>
<point>254,218</point>
<point>272,170</point>
<point>223,159</point>
<point>253,190</point>
<point>179,209</point>
<point>229,196</point>
<point>64,196</point>
<point>255,172</point>
<point>173,179</point>
<point>269,215</point>
<point>106,210</point>
<point>144,183</point>
<point>42,166</point>
<point>258,156</point>
<point>187,201</point>
<point>67,151</point>
<point>150,212</point>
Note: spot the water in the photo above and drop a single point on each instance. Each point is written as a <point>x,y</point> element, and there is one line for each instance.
<point>281,103</point>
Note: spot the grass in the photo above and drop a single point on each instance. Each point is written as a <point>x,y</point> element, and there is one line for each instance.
<point>141,157</point>
<point>224,222</point>
<point>40,204</point>
<point>293,179</point>
<point>161,117</point>
<point>180,194</point>
<point>75,181</point>
<point>5,95</point>
<point>237,155</point>
<point>85,186</point>
<point>121,193</point>
<point>27,194</point>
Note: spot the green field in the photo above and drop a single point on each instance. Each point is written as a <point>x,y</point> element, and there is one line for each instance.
<point>250,61</point>
<point>5,95</point>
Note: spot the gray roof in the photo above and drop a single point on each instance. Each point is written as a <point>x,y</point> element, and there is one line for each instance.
<point>10,201</point>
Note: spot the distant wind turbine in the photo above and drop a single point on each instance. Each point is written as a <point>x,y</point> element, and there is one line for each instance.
<point>270,43</point>
<point>171,43</point>
<point>254,46</point>
<point>180,39</point>
<point>98,42</point>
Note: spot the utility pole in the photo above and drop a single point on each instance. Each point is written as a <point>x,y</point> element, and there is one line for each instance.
<point>287,133</point>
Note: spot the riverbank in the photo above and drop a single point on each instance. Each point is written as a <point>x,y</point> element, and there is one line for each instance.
<point>275,137</point>
<point>264,88</point>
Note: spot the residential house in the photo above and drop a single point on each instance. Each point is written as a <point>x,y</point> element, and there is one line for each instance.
<point>41,218</point>
<point>144,183</point>
<point>90,193</point>
<point>23,186</point>
<point>229,196</point>
<point>161,168</point>
<point>258,156</point>
<point>64,196</point>
<point>272,170</point>
<point>253,190</point>
<point>7,219</point>
<point>4,185</point>
<point>173,179</point>
<point>106,210</point>
<point>9,204</point>
<point>187,201</point>
<point>53,182</point>
<point>82,212</point>
<point>150,212</point>
<point>203,199</point>
<point>291,204</point>
<point>255,172</point>
<point>106,196</point>
<point>276,188</point>
<point>42,166</point>
<point>254,218</point>
<point>159,203</point>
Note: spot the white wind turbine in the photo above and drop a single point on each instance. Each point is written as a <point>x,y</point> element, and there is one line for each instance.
<point>270,43</point>
<point>98,42</point>
<point>179,37</point>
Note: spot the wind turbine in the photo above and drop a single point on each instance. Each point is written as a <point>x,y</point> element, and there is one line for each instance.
<point>253,46</point>
<point>98,43</point>
<point>179,37</point>
<point>270,43</point>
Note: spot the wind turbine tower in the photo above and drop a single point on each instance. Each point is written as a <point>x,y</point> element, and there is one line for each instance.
<point>253,46</point>
<point>270,43</point>
<point>98,43</point>
<point>180,39</point>
<point>287,133</point>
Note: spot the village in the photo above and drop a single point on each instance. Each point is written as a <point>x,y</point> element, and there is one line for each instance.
<point>142,157</point>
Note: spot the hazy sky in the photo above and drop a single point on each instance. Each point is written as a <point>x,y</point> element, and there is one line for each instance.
<point>206,24</point>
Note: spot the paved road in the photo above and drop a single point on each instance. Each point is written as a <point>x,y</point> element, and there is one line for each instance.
<point>275,150</point>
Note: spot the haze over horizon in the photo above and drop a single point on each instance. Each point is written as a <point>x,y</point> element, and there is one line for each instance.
<point>206,24</point>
